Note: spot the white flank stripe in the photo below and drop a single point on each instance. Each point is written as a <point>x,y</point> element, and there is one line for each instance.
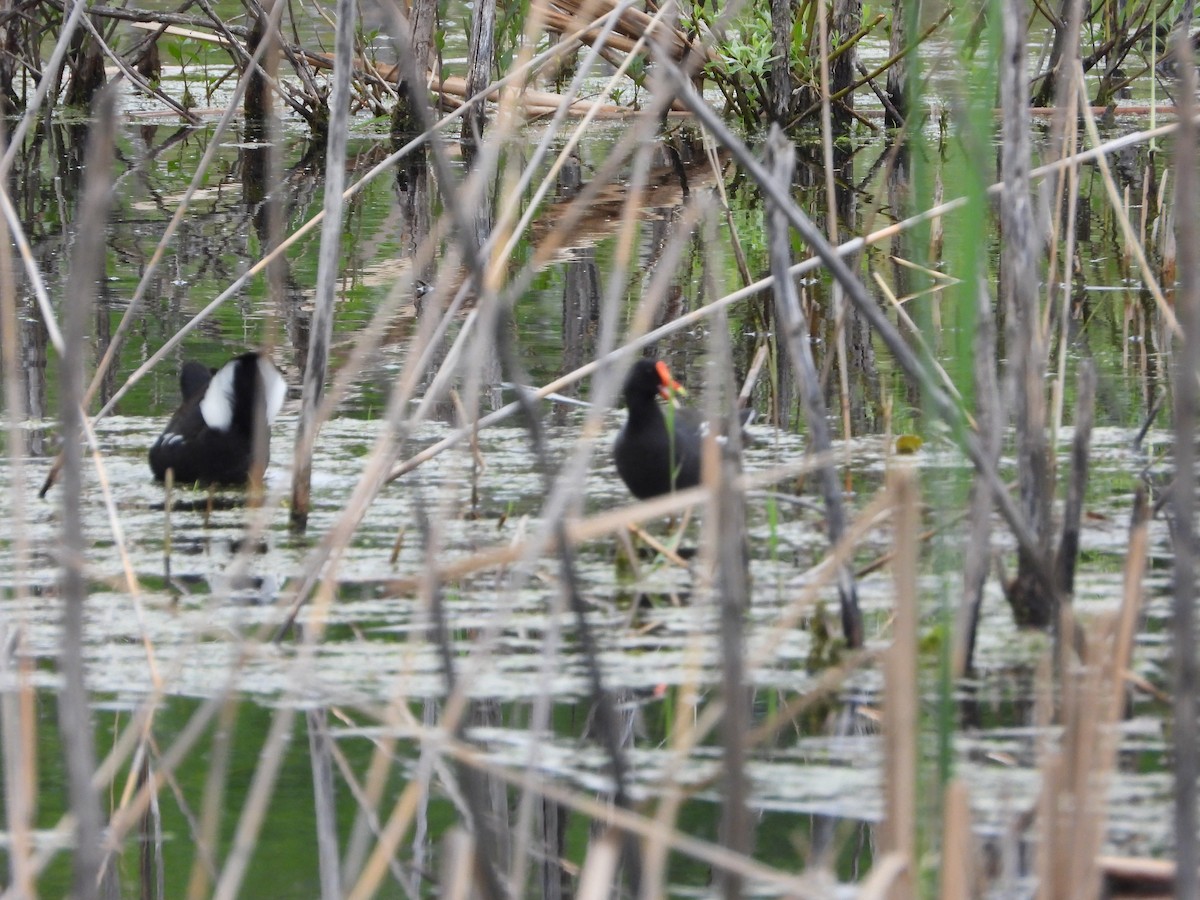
<point>276,387</point>
<point>217,405</point>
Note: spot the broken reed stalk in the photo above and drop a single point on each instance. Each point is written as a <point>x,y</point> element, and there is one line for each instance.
<point>794,323</point>
<point>328,264</point>
<point>726,549</point>
<point>901,717</point>
<point>1031,595</point>
<point>1185,365</point>
<point>74,711</point>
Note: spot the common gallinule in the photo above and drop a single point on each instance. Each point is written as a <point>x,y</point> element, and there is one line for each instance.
<point>210,438</point>
<point>657,451</point>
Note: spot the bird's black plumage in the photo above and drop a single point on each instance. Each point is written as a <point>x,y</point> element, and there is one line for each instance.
<point>210,438</point>
<point>658,448</point>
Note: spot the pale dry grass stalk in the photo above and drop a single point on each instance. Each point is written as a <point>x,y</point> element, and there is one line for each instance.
<point>831,212</point>
<point>726,553</point>
<point>1186,364</point>
<point>598,876</point>
<point>18,734</point>
<point>958,843</point>
<point>458,852</point>
<point>75,719</point>
<point>901,717</point>
<point>1131,597</point>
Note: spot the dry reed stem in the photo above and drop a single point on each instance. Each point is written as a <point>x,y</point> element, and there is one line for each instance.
<point>458,866</point>
<point>598,877</point>
<point>18,714</point>
<point>977,557</point>
<point>831,207</point>
<point>1185,365</point>
<point>1062,293</point>
<point>724,546</point>
<point>74,711</point>
<point>328,262</point>
<point>885,876</point>
<point>671,793</point>
<point>901,721</point>
<point>957,878</point>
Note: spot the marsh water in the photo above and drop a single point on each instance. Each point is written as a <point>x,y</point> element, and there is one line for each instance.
<point>206,614</point>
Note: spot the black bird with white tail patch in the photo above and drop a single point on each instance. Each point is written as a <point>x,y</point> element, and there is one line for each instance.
<point>210,439</point>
